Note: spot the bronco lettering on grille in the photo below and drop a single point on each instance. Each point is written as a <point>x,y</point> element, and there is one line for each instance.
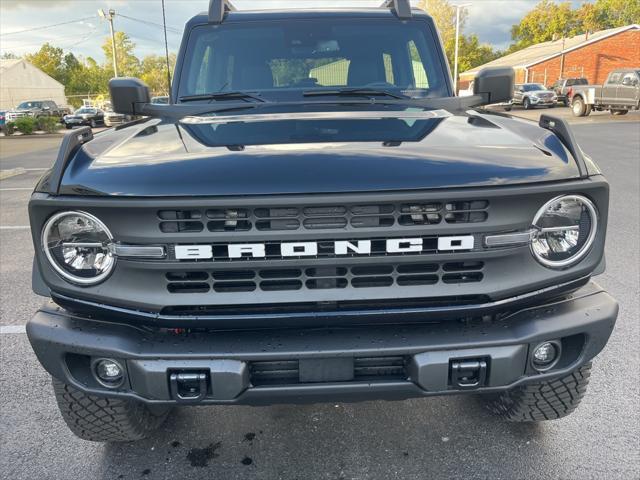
<point>310,249</point>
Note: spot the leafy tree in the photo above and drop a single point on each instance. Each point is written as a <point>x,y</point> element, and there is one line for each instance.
<point>550,20</point>
<point>154,72</point>
<point>547,21</point>
<point>617,13</point>
<point>471,52</point>
<point>49,59</point>
<point>9,56</point>
<point>128,63</point>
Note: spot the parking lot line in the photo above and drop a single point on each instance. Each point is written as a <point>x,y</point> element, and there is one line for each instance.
<point>15,227</point>
<point>15,189</point>
<point>11,329</point>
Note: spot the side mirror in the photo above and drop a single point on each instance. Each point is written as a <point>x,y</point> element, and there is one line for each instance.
<point>626,81</point>
<point>128,95</point>
<point>495,84</point>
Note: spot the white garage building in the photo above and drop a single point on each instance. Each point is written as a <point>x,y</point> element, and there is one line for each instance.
<point>20,81</point>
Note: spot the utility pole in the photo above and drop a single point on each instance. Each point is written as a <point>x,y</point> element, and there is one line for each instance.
<point>455,56</point>
<point>108,16</point>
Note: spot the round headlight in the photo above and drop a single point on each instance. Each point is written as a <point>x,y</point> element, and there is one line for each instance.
<point>77,246</point>
<point>564,230</point>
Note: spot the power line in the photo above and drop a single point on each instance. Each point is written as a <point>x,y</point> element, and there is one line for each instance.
<point>47,26</point>
<point>152,24</point>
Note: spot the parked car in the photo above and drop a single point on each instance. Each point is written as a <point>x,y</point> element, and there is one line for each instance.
<point>619,94</point>
<point>3,122</point>
<point>84,116</point>
<point>112,119</point>
<point>563,88</point>
<point>531,95</point>
<point>317,234</point>
<point>164,100</point>
<point>37,108</point>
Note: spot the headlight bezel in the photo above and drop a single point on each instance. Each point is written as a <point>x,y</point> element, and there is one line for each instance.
<point>584,249</point>
<point>53,262</point>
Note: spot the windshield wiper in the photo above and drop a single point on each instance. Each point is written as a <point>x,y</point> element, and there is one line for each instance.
<point>355,92</point>
<point>222,96</point>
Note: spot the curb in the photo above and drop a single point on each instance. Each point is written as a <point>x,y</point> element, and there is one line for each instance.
<point>32,136</point>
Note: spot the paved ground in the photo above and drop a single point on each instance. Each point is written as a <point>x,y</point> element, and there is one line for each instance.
<point>416,439</point>
<point>565,112</point>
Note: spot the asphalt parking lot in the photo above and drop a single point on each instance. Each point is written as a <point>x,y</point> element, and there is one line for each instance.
<point>449,437</point>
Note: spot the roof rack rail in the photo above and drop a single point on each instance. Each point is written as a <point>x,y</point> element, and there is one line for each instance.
<point>402,8</point>
<point>218,9</point>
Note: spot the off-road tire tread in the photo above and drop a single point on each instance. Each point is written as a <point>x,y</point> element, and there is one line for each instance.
<point>542,401</point>
<point>99,419</point>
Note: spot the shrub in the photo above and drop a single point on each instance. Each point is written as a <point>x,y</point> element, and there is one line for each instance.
<point>47,124</point>
<point>25,125</point>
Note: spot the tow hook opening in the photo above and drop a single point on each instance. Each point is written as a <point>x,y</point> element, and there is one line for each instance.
<point>468,373</point>
<point>188,387</point>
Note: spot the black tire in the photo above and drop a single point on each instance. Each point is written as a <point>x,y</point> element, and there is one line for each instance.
<point>566,102</point>
<point>541,401</point>
<point>67,126</point>
<point>619,112</point>
<point>526,103</point>
<point>579,108</point>
<point>99,419</point>
<point>93,124</point>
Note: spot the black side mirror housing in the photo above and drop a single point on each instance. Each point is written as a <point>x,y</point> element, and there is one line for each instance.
<point>128,95</point>
<point>495,84</point>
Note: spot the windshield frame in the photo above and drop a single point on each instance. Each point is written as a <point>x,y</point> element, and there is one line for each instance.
<point>431,35</point>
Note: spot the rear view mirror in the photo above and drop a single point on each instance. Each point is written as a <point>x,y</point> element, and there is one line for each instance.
<point>495,84</point>
<point>128,95</point>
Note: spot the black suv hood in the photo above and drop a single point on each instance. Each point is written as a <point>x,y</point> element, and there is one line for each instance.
<point>159,158</point>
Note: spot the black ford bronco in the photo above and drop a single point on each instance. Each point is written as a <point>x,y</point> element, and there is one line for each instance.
<point>315,216</point>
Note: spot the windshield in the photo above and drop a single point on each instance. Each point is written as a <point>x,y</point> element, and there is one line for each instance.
<point>304,55</point>
<point>28,105</point>
<point>532,87</point>
<point>85,110</point>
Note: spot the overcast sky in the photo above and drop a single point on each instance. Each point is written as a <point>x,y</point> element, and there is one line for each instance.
<point>491,20</point>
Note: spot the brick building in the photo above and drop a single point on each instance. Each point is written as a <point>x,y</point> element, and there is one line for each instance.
<point>591,55</point>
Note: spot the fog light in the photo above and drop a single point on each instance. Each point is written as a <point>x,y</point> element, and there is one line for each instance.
<point>109,372</point>
<point>545,354</point>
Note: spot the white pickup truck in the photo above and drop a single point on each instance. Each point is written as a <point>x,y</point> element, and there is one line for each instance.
<point>619,94</point>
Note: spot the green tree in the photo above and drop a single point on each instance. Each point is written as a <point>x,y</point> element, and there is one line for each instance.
<point>471,52</point>
<point>547,21</point>
<point>128,63</point>
<point>444,16</point>
<point>49,59</point>
<point>154,72</point>
<point>550,20</point>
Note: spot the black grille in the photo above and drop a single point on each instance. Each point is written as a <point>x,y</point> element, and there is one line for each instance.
<point>384,215</point>
<point>286,372</point>
<point>321,277</point>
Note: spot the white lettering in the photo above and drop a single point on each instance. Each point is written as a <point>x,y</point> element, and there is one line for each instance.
<point>186,252</point>
<point>456,243</point>
<point>253,249</point>
<point>402,245</point>
<point>361,247</point>
<point>299,249</point>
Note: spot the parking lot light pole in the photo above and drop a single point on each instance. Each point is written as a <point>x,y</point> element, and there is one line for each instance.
<point>109,17</point>
<point>455,61</point>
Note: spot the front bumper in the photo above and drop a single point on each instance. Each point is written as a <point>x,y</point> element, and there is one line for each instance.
<point>543,101</point>
<point>337,364</point>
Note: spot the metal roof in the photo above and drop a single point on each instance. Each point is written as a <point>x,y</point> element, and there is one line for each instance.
<point>543,51</point>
